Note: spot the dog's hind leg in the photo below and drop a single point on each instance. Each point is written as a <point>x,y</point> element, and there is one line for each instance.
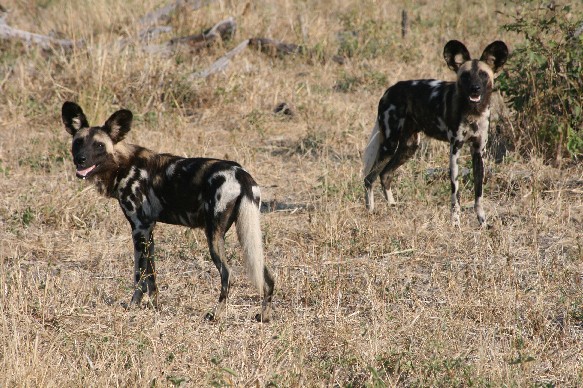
<point>216,240</point>
<point>268,287</point>
<point>384,155</point>
<point>405,149</point>
<point>144,266</point>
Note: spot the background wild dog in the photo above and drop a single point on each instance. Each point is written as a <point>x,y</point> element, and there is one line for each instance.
<point>152,187</point>
<point>456,112</point>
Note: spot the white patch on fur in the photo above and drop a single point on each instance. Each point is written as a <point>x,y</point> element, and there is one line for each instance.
<point>256,193</point>
<point>401,123</point>
<point>76,123</point>
<point>170,170</point>
<point>480,211</point>
<point>435,86</point>
<point>453,173</point>
<point>227,192</point>
<point>123,183</point>
<point>435,83</point>
<point>389,197</point>
<point>135,186</point>
<point>387,114</point>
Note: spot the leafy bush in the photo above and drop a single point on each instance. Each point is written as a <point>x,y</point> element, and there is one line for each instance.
<point>544,82</point>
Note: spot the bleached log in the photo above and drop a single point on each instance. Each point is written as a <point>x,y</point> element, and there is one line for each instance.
<point>46,42</point>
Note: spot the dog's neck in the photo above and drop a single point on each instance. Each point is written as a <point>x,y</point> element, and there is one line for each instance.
<point>106,183</point>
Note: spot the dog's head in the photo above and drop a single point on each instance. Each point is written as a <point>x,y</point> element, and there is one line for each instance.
<point>475,78</point>
<point>93,147</point>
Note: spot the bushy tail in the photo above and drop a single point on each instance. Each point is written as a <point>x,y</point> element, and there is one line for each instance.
<point>249,233</point>
<point>371,151</point>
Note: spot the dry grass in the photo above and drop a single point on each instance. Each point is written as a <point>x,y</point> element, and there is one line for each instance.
<point>397,298</point>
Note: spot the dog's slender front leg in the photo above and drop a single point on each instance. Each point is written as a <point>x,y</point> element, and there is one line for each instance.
<point>144,267</point>
<point>478,170</point>
<point>455,149</point>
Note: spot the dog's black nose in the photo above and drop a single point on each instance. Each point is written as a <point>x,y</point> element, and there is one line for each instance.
<point>80,160</point>
<point>475,89</point>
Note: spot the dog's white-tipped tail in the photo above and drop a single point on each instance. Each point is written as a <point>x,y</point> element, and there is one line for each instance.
<point>249,233</point>
<point>371,151</point>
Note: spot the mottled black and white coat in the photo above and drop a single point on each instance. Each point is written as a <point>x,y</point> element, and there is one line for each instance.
<point>456,112</point>
<point>195,192</point>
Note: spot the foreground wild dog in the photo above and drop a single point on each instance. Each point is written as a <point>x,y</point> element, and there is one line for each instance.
<point>152,187</point>
<point>456,112</point>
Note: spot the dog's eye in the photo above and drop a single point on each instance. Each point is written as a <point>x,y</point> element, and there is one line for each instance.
<point>99,145</point>
<point>483,75</point>
<point>77,142</point>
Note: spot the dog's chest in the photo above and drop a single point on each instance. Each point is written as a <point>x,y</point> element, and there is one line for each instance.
<point>470,128</point>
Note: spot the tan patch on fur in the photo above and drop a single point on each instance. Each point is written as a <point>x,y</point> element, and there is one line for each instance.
<point>200,173</point>
<point>121,151</point>
<point>82,133</point>
<point>467,67</point>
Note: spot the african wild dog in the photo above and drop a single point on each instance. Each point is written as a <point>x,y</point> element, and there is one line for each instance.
<point>455,112</point>
<point>152,187</point>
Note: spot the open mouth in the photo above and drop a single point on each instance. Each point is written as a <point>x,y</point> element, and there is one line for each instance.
<point>476,99</point>
<point>84,173</point>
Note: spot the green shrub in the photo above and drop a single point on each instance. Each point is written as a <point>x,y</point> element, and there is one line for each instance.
<point>544,83</point>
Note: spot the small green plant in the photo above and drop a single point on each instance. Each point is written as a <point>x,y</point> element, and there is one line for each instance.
<point>27,216</point>
<point>543,81</point>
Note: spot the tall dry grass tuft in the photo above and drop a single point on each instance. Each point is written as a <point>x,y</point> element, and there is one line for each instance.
<point>396,298</point>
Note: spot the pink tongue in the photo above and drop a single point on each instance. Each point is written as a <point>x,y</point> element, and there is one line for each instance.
<point>86,171</point>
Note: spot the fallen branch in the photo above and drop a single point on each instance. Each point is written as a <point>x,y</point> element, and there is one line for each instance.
<point>221,63</point>
<point>274,47</point>
<point>223,30</point>
<point>268,46</point>
<point>43,41</point>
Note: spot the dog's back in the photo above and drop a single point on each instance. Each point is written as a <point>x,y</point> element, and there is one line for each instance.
<point>423,101</point>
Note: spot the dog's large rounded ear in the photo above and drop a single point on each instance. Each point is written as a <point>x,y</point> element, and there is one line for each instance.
<point>495,55</point>
<point>455,54</point>
<point>73,117</point>
<point>118,124</point>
